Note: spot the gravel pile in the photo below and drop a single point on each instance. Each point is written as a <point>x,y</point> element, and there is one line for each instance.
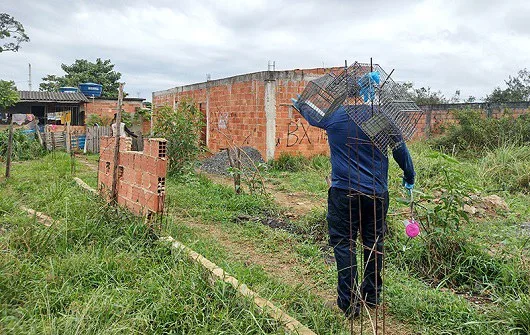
<point>219,163</point>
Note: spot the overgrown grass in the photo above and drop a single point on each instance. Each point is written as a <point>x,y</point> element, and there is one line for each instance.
<point>298,173</point>
<point>100,271</point>
<point>118,243</point>
<point>482,258</point>
<point>506,168</point>
<point>200,200</point>
<point>412,298</point>
<point>295,163</point>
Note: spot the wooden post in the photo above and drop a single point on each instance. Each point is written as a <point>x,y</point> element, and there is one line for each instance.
<point>235,163</point>
<point>68,139</point>
<point>9,147</point>
<point>114,191</point>
<point>53,140</point>
<point>37,132</point>
<point>238,167</point>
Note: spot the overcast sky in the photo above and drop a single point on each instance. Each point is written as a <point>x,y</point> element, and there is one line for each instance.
<point>470,45</point>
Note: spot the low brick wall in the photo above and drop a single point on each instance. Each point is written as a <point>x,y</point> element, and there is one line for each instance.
<point>437,117</point>
<point>106,108</point>
<point>141,174</point>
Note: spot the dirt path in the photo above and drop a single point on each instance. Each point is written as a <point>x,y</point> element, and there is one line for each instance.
<point>301,202</point>
<point>83,160</point>
<point>284,265</point>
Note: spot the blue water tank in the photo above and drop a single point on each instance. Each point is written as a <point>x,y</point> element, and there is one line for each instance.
<point>91,89</point>
<point>68,89</point>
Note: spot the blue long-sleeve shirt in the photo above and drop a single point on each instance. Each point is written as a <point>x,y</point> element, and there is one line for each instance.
<point>357,164</point>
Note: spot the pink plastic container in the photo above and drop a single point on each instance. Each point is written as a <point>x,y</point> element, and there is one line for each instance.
<point>412,228</point>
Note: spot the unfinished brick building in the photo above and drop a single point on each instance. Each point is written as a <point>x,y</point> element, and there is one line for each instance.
<point>254,110</point>
<point>141,174</point>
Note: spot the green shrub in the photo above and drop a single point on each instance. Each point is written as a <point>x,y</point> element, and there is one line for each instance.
<point>449,259</point>
<point>474,132</point>
<point>24,146</point>
<point>182,129</point>
<point>127,118</point>
<point>93,119</point>
<point>295,163</point>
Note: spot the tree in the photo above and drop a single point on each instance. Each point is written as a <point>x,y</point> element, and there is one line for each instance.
<point>456,97</point>
<point>518,89</point>
<point>471,98</point>
<point>8,94</point>
<point>13,31</point>
<point>83,71</point>
<point>425,96</point>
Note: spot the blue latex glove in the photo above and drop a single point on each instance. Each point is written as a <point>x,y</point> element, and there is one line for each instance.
<point>367,83</point>
<point>295,102</point>
<point>407,186</point>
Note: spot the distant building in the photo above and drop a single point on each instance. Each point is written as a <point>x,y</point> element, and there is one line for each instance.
<point>49,108</point>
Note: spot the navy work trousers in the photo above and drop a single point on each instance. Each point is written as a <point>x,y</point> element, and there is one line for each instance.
<point>350,213</point>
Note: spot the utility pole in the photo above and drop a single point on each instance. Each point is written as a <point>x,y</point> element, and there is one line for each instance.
<point>29,76</point>
<point>9,146</point>
<point>114,193</point>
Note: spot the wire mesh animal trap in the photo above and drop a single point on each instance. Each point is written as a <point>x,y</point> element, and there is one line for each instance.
<point>325,94</point>
<point>381,107</point>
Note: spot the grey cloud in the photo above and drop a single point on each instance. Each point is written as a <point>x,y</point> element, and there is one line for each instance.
<point>468,45</point>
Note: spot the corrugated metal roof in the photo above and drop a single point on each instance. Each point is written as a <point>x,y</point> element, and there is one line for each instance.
<point>61,97</point>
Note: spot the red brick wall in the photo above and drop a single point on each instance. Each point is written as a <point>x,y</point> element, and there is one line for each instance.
<point>106,108</point>
<point>237,112</point>
<point>237,116</point>
<point>141,175</point>
<point>443,116</point>
<point>294,135</point>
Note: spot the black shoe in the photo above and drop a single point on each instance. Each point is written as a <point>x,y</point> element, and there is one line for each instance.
<point>372,300</point>
<point>352,313</point>
<point>372,303</point>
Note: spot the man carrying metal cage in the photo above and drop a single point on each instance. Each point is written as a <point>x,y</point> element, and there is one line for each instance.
<point>357,201</point>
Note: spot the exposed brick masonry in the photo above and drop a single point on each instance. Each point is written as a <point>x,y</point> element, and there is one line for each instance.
<point>141,175</point>
<point>105,108</point>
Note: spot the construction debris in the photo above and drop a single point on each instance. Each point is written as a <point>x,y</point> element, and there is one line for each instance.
<point>219,163</point>
<point>490,205</point>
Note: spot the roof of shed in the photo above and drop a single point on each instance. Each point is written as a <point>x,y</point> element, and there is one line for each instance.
<point>60,97</point>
